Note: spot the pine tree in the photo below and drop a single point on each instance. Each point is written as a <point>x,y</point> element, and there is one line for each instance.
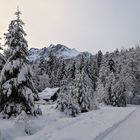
<point>81,64</point>
<point>0,45</point>
<point>91,70</point>
<point>99,58</point>
<point>110,86</point>
<point>111,64</point>
<point>52,68</point>
<point>111,97</point>
<point>100,91</point>
<point>50,63</point>
<point>66,102</point>
<point>61,73</point>
<point>84,91</point>
<point>40,76</point>
<point>17,92</point>
<point>72,71</point>
<point>2,59</point>
<point>120,94</point>
<point>77,96</point>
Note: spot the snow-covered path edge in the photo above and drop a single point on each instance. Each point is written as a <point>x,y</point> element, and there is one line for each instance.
<point>110,129</point>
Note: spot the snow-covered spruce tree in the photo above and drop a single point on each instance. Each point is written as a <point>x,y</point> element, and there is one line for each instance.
<point>81,64</point>
<point>50,63</point>
<point>77,96</point>
<point>100,91</point>
<point>106,81</point>
<point>66,102</point>
<point>0,45</point>
<point>2,59</point>
<point>91,70</point>
<point>40,76</point>
<point>84,91</point>
<point>120,94</point>
<point>99,58</point>
<point>17,91</point>
<point>52,69</point>
<point>111,97</point>
<point>111,65</point>
<point>111,88</point>
<point>72,70</point>
<point>61,73</point>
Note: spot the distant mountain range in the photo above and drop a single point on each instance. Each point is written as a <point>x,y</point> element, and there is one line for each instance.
<point>60,51</point>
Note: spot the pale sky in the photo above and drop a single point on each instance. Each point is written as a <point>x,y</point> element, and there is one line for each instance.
<point>87,25</point>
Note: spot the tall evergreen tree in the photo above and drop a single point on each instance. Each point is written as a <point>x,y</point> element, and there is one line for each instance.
<point>61,73</point>
<point>2,58</point>
<point>50,63</point>
<point>111,97</point>
<point>72,71</point>
<point>0,45</point>
<point>110,85</point>
<point>99,58</point>
<point>52,70</point>
<point>91,70</point>
<point>111,65</point>
<point>17,91</point>
<point>77,96</point>
<point>84,92</point>
<point>67,102</point>
<point>2,61</point>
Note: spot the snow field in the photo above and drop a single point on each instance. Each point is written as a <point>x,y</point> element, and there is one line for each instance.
<point>88,126</point>
<point>128,130</point>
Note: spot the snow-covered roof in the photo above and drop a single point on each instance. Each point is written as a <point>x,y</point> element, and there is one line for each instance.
<point>48,93</point>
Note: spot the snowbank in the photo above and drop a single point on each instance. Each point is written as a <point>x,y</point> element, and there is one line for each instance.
<point>87,126</point>
<point>8,130</point>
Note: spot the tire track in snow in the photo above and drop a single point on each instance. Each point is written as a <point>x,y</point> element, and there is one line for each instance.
<point>105,133</point>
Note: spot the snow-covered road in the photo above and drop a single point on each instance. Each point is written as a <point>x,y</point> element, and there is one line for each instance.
<point>128,130</point>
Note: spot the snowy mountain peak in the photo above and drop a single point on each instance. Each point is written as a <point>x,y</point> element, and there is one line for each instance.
<point>59,50</point>
<point>58,47</point>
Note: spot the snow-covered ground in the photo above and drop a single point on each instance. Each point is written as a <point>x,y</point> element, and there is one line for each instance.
<point>128,130</point>
<point>53,125</point>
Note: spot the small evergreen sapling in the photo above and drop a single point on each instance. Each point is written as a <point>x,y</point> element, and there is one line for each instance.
<point>22,122</point>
